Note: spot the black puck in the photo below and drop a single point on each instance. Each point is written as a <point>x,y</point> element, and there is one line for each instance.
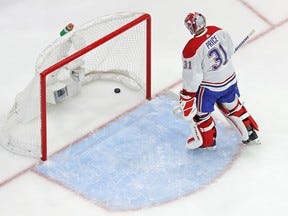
<point>117,90</point>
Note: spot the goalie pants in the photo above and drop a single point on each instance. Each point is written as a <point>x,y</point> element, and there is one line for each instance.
<point>206,98</point>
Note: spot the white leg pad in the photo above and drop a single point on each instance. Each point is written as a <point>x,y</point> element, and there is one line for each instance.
<point>203,134</point>
<point>238,117</point>
<point>195,140</point>
<point>238,123</point>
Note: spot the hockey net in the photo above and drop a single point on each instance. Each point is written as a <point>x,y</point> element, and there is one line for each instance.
<point>115,47</point>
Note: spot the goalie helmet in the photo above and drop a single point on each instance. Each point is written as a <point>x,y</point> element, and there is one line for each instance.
<point>195,22</point>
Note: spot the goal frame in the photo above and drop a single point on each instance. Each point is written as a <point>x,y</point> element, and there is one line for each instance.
<point>43,107</point>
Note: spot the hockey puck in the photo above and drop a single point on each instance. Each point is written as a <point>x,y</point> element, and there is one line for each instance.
<point>117,90</point>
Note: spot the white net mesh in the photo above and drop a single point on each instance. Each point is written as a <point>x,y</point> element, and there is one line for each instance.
<point>122,59</point>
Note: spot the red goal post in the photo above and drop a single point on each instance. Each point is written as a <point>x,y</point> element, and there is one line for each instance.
<point>142,18</point>
<point>92,51</point>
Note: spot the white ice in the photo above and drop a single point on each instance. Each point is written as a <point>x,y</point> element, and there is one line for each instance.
<point>256,183</point>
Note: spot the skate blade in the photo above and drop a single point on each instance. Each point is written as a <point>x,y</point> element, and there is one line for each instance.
<point>254,142</point>
<point>209,148</point>
<point>193,145</point>
<point>197,146</point>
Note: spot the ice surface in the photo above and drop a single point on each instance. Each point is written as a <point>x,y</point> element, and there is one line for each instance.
<point>140,160</point>
<point>256,182</point>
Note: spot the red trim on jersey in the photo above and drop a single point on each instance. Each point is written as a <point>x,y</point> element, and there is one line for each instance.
<point>200,99</point>
<point>194,43</point>
<point>220,84</point>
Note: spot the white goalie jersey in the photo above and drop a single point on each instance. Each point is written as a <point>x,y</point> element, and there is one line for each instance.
<point>206,61</point>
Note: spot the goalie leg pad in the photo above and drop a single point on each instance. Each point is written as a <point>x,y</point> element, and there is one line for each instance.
<point>203,133</point>
<point>240,118</point>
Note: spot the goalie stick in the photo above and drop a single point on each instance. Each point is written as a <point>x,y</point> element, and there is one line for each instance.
<point>244,40</point>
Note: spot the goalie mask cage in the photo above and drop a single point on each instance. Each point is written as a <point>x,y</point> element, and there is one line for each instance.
<point>114,47</point>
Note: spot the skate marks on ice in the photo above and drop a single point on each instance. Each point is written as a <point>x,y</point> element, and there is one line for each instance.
<point>140,160</point>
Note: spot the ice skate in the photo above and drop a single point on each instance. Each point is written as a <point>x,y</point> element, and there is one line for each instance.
<point>210,148</point>
<point>253,137</point>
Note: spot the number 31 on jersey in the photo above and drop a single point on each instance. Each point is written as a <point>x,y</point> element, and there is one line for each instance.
<point>219,55</point>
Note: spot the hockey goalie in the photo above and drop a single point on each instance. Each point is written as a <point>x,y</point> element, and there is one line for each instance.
<point>209,79</point>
